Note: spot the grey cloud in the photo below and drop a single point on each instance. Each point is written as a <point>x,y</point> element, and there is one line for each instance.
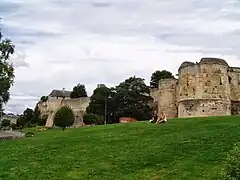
<point>166,22</point>
<point>5,7</point>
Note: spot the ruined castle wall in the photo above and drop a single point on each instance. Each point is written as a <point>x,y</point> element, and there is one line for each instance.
<point>79,106</point>
<point>234,76</point>
<point>155,94</point>
<point>50,107</point>
<point>167,97</point>
<point>204,89</point>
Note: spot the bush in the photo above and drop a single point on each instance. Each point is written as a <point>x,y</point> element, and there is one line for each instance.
<point>231,170</point>
<point>13,126</point>
<point>5,123</point>
<point>64,117</point>
<point>29,134</point>
<point>90,119</point>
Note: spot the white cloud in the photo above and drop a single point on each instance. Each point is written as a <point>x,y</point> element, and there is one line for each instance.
<point>61,44</point>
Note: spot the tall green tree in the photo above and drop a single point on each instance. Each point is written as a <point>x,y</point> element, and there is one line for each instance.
<point>37,118</point>
<point>26,118</point>
<point>6,69</point>
<point>103,98</point>
<point>28,114</point>
<point>64,117</point>
<point>158,75</point>
<point>79,91</point>
<point>132,99</point>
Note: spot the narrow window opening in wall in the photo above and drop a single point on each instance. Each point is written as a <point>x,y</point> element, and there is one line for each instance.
<point>203,111</point>
<point>220,81</point>
<point>187,83</point>
<point>229,79</point>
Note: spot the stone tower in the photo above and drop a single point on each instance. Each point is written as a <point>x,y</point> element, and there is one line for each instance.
<point>208,88</point>
<point>204,89</point>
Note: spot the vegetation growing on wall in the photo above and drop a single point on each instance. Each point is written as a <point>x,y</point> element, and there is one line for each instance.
<point>79,91</point>
<point>159,75</point>
<point>44,98</point>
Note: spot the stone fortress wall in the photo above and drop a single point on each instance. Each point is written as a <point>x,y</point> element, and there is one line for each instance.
<point>208,88</point>
<point>51,106</point>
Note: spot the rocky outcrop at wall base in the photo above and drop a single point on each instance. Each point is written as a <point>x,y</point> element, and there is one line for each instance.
<point>235,108</point>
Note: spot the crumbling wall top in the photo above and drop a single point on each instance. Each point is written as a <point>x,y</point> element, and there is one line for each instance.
<point>209,60</point>
<point>185,64</point>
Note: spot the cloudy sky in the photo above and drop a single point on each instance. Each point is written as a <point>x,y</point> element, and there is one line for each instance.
<point>60,43</point>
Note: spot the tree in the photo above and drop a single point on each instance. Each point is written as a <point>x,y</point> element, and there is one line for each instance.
<point>90,119</point>
<point>26,118</point>
<point>44,98</point>
<point>159,75</point>
<point>6,69</point>
<point>79,91</point>
<point>37,119</point>
<point>64,117</point>
<point>28,115</point>
<point>100,96</point>
<point>21,121</point>
<point>133,99</point>
<point>97,101</point>
<point>5,123</point>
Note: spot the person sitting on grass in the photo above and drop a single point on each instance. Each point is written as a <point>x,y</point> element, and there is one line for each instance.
<point>162,119</point>
<point>154,117</point>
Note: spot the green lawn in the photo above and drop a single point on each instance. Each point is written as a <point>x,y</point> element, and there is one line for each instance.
<point>181,149</point>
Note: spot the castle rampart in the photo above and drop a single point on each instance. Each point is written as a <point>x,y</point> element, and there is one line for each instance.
<point>208,88</point>
<point>167,97</point>
<point>51,106</point>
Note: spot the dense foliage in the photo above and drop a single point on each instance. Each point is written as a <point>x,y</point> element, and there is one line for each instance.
<point>64,117</point>
<point>31,118</point>
<point>232,165</point>
<point>5,123</point>
<point>37,118</point>
<point>130,98</point>
<point>93,119</point>
<point>101,95</point>
<point>158,75</point>
<point>133,99</point>
<point>79,91</point>
<point>44,98</point>
<point>6,69</point>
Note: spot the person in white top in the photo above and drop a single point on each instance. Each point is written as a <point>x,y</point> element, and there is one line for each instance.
<point>162,118</point>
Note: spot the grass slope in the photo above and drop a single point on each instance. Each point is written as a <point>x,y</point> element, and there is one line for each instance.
<point>181,149</point>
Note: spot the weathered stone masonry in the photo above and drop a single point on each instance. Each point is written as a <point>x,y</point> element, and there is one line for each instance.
<point>208,88</point>
<point>59,98</point>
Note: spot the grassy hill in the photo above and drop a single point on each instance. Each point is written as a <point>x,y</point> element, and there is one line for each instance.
<point>181,149</point>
